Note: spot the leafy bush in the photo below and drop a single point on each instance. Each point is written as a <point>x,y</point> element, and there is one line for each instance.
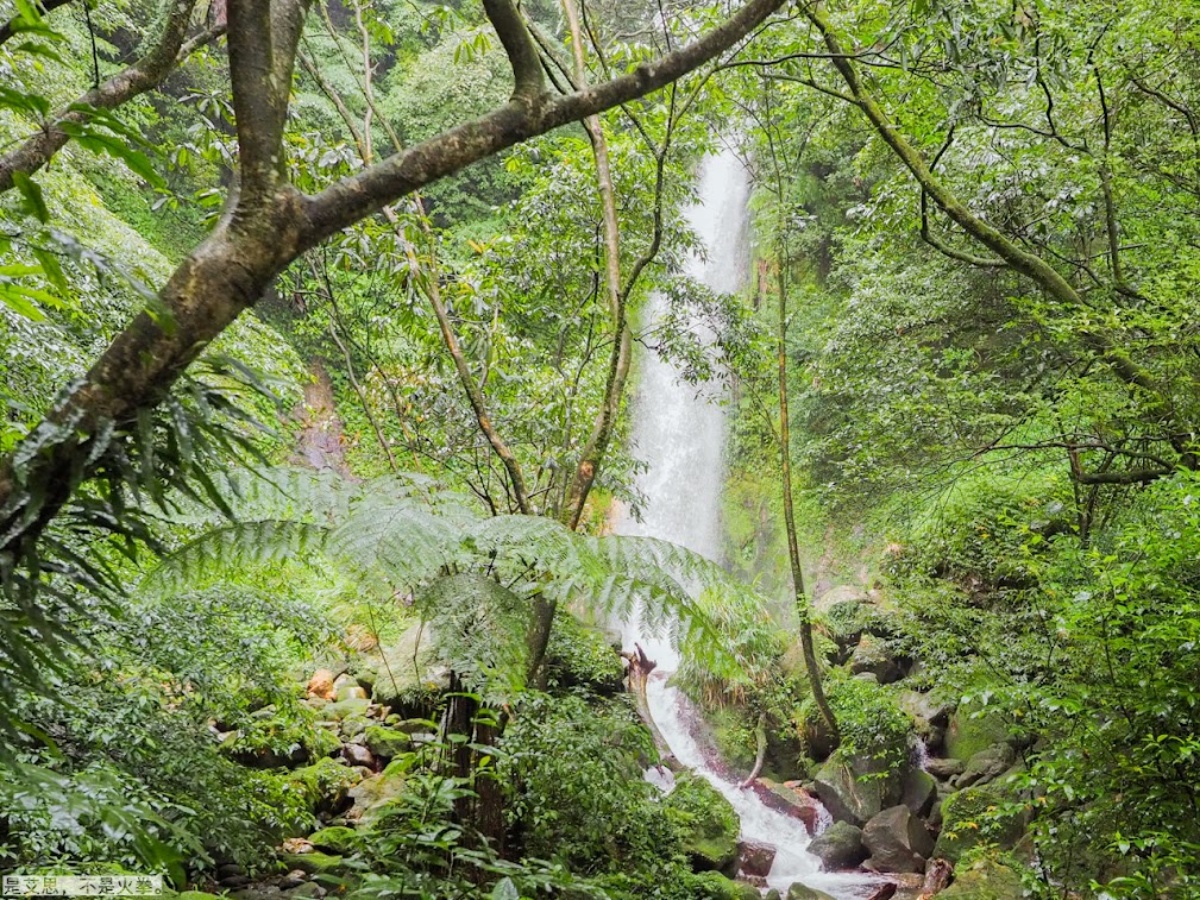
<point>573,771</point>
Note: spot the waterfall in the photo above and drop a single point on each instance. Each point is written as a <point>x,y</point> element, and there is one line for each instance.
<point>679,432</point>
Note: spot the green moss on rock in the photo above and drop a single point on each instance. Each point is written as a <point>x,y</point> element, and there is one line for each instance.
<point>986,879</point>
<point>979,816</point>
<point>387,742</point>
<point>707,823</point>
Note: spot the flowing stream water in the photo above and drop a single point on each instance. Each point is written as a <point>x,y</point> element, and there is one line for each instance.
<point>679,431</point>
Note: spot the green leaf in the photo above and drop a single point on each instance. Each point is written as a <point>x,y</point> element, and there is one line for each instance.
<point>31,192</point>
<point>506,890</point>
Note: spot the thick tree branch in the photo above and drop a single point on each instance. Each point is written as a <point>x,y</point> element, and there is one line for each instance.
<point>518,43</point>
<point>262,52</point>
<point>364,194</point>
<point>144,75</point>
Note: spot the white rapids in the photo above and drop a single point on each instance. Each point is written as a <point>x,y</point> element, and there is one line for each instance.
<point>679,432</point>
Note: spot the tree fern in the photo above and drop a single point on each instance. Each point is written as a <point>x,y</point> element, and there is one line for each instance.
<point>473,576</point>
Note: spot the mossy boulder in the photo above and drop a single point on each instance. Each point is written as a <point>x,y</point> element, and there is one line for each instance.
<point>977,816</point>
<point>715,886</point>
<point>387,742</point>
<point>855,789</point>
<point>354,707</point>
<point>336,839</point>
<point>840,846</point>
<point>406,674</point>
<point>971,731</point>
<point>873,657</point>
<point>325,784</point>
<point>800,891</point>
<point>707,823</point>
<point>314,863</point>
<point>371,793</point>
<point>986,879</point>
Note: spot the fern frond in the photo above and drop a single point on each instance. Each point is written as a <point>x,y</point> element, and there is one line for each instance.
<point>238,545</point>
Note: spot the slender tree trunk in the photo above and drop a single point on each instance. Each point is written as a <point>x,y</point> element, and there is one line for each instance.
<point>803,606</point>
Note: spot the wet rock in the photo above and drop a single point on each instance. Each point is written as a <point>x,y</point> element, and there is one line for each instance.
<point>872,656</point>
<point>755,859</point>
<point>799,891</point>
<point>897,841</point>
<point>919,791</point>
<point>229,870</point>
<point>839,846</point>
<point>358,755</point>
<point>791,799</point>
<point>986,765</point>
<point>944,769</point>
<point>884,892</point>
<point>234,881</point>
<point>857,789</point>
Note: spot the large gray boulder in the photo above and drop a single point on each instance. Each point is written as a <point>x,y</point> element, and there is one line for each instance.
<point>406,672</point>
<point>872,657</point>
<point>919,791</point>
<point>840,846</point>
<point>854,790</point>
<point>897,841</point>
<point>986,765</point>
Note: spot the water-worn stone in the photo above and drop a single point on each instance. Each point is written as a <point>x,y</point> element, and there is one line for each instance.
<point>897,841</point>
<point>986,765</point>
<point>358,755</point>
<point>755,859</point>
<point>872,656</point>
<point>839,846</point>
<point>855,790</point>
<point>799,891</point>
<point>791,799</point>
<point>919,791</point>
<point>944,769</point>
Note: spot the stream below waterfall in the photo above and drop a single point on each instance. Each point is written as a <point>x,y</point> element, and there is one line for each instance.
<point>679,431</point>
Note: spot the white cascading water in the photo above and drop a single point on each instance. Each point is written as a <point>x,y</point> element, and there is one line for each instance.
<point>679,432</point>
